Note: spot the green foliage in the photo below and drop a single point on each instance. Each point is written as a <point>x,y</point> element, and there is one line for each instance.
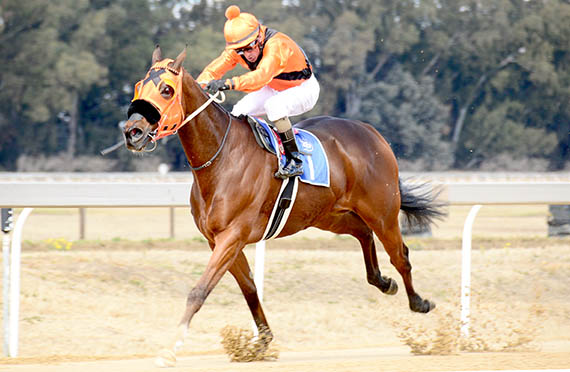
<point>499,131</point>
<point>411,118</point>
<point>465,81</point>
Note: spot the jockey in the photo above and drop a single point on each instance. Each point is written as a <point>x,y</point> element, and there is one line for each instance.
<point>280,83</point>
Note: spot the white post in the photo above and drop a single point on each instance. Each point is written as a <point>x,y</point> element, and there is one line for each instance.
<point>82,223</point>
<point>15,282</point>
<point>466,269</point>
<point>258,274</point>
<point>172,222</point>
<point>6,290</point>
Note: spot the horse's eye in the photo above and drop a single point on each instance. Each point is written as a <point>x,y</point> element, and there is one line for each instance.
<point>167,91</point>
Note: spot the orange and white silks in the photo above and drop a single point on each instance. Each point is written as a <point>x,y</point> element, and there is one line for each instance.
<point>282,65</point>
<point>169,107</point>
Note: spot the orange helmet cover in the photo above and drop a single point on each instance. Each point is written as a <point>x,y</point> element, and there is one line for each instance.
<point>240,29</point>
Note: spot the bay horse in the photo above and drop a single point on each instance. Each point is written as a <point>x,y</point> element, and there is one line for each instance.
<point>234,189</point>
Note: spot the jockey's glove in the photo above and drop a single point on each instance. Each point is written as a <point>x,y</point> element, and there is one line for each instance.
<point>214,86</point>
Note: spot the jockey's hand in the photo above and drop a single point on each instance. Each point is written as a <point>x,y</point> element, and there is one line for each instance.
<point>214,86</point>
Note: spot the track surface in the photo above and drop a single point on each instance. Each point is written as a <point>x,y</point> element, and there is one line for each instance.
<point>385,359</point>
<point>52,325</point>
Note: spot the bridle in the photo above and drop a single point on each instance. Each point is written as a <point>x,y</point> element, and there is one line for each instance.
<point>219,97</point>
<point>162,131</point>
<point>213,98</point>
<point>209,162</point>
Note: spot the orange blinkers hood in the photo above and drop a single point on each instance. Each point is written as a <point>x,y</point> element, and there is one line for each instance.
<point>169,107</point>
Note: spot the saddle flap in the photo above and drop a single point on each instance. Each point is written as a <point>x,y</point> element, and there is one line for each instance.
<point>261,136</point>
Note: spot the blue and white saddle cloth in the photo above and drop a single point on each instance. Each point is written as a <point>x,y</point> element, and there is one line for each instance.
<point>316,170</point>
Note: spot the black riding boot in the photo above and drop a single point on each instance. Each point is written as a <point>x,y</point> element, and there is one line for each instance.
<point>293,164</point>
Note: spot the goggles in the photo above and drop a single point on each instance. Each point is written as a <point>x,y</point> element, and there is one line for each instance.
<point>241,51</point>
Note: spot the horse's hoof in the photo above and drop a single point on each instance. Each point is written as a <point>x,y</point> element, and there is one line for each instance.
<point>393,288</point>
<point>166,358</point>
<point>422,306</point>
<point>430,305</point>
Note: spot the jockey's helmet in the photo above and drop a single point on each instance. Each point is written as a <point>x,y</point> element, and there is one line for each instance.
<point>241,29</point>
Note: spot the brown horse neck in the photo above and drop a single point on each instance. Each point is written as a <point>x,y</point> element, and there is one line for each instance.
<point>202,136</point>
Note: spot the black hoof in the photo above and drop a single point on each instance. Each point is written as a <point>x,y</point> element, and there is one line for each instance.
<point>393,288</point>
<point>421,306</point>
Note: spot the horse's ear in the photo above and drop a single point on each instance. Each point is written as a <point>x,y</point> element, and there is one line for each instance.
<point>157,54</point>
<point>179,60</point>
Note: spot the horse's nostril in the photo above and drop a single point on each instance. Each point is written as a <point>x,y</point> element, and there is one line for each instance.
<point>134,133</point>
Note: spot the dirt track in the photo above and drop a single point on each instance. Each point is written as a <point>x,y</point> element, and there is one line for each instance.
<point>395,359</point>
<point>110,308</point>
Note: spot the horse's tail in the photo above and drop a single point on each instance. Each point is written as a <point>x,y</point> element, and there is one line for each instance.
<point>418,202</point>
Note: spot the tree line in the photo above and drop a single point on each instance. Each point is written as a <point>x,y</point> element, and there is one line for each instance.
<point>451,84</point>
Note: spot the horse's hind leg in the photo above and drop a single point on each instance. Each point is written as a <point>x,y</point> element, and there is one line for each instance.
<point>384,283</point>
<point>242,273</point>
<point>391,238</point>
<point>352,224</point>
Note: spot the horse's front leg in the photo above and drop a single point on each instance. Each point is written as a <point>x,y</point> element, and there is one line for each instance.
<point>242,273</point>
<point>226,250</point>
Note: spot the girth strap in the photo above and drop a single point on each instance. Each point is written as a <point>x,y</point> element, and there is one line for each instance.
<point>282,208</point>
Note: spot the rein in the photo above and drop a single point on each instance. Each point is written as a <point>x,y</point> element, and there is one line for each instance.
<point>213,98</point>
<point>209,162</point>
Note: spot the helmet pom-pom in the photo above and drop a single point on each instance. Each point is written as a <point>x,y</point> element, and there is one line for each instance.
<point>232,12</point>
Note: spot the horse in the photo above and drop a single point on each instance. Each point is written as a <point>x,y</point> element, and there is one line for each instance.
<point>234,188</point>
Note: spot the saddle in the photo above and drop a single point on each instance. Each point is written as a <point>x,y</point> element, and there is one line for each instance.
<point>316,170</point>
<point>261,136</point>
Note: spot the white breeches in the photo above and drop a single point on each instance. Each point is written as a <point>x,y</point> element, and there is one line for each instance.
<point>279,104</point>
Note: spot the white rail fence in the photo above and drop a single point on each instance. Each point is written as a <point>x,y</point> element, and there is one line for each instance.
<point>67,194</point>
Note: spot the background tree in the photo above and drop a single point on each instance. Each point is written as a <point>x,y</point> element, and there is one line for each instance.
<point>479,80</point>
<point>25,39</point>
<point>410,117</point>
<point>495,55</point>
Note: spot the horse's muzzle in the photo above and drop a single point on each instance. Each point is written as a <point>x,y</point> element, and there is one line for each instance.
<point>136,132</point>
